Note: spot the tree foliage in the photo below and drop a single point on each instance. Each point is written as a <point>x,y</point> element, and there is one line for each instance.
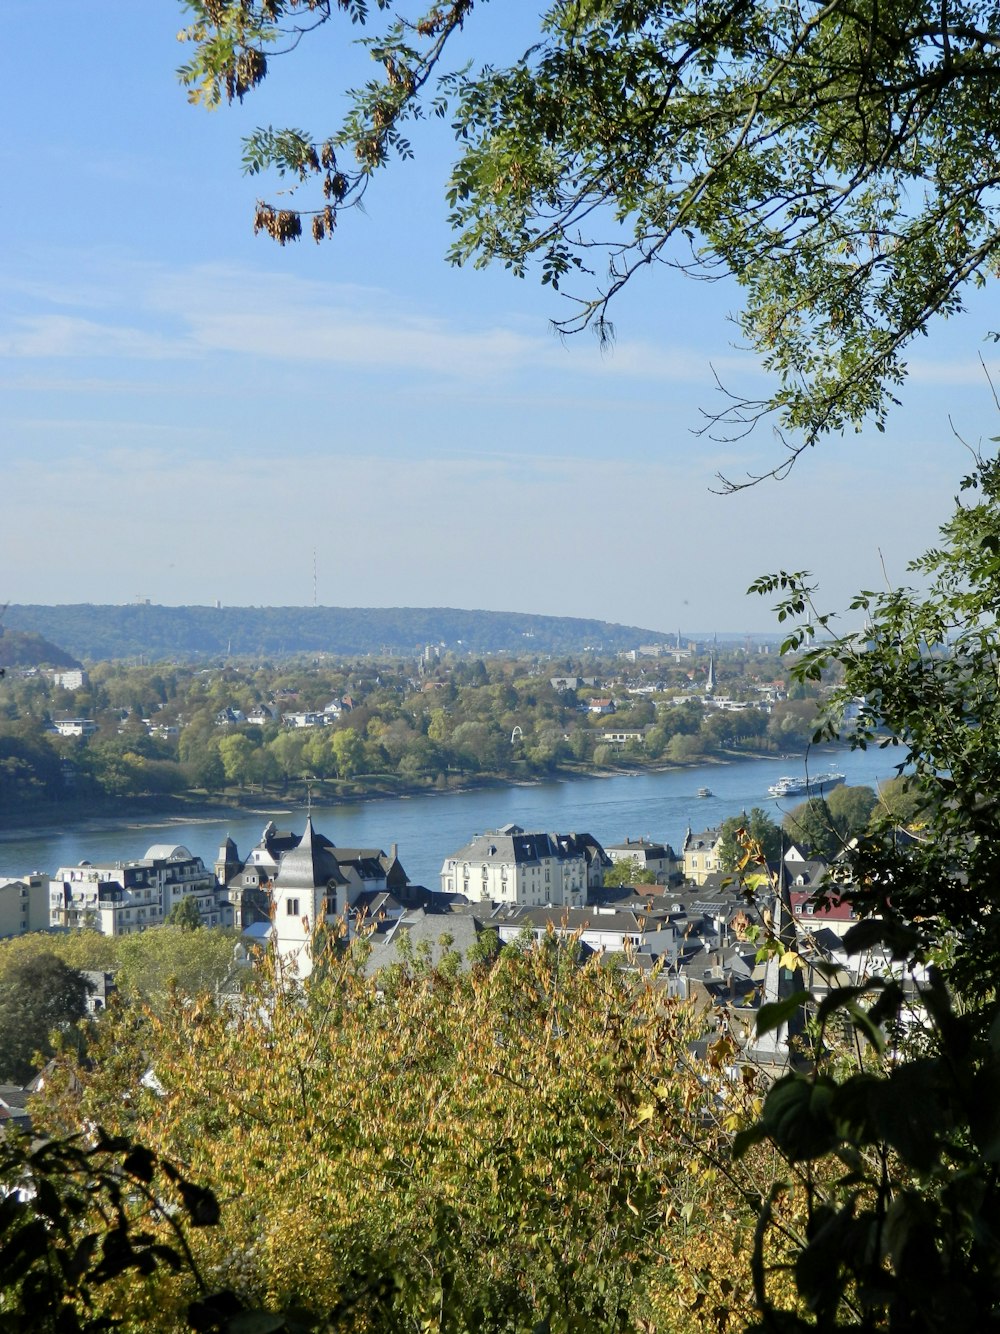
<point>628,872</point>
<point>522,1145</point>
<point>184,914</point>
<point>907,1238</point>
<point>810,824</point>
<point>757,827</point>
<point>78,1214</point>
<point>38,996</point>
<point>837,159</point>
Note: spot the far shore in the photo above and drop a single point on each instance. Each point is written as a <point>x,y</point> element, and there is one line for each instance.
<point>162,812</point>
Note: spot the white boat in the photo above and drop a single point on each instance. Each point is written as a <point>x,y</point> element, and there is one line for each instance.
<point>806,787</point>
<point>704,792</point>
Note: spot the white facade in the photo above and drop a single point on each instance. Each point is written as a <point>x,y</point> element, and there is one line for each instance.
<point>75,678</point>
<point>124,897</point>
<point>75,726</point>
<point>511,866</point>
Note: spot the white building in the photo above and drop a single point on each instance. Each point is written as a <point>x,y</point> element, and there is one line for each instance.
<point>74,678</point>
<point>75,726</point>
<point>511,866</point>
<point>646,855</point>
<point>119,898</point>
<point>308,718</point>
<point>313,884</point>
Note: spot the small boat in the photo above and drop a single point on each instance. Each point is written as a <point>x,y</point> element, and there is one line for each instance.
<point>704,792</point>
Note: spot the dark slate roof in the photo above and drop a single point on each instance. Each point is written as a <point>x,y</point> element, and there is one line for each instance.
<point>463,928</point>
<point>512,844</point>
<point>311,864</point>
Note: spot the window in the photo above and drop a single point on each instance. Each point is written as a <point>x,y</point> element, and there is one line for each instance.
<point>292,907</point>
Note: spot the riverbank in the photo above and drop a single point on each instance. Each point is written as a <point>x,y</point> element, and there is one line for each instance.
<point>82,817</point>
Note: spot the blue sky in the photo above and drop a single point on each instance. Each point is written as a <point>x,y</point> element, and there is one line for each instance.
<point>189,412</point>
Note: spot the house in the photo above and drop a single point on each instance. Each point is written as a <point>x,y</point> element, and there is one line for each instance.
<point>24,904</point>
<point>610,930</point>
<point>600,706</point>
<point>306,718</point>
<point>701,855</point>
<point>75,726</point>
<point>647,855</point>
<point>428,932</point>
<point>101,988</point>
<point>830,913</point>
<point>230,717</point>
<point>512,866</point>
<point>166,731</point>
<point>120,898</point>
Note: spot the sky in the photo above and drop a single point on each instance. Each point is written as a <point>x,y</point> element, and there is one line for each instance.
<point>192,414</point>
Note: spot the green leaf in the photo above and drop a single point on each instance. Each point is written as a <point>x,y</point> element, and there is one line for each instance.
<point>798,1116</point>
<point>746,1139</point>
<point>775,1013</point>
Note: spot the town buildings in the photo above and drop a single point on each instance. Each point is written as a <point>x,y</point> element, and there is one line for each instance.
<point>647,855</point>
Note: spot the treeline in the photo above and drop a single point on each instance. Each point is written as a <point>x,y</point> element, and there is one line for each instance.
<point>172,730</point>
<point>140,630</point>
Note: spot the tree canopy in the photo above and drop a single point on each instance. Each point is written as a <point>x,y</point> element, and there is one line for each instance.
<point>838,159</point>
<point>37,995</point>
<point>757,828</point>
<point>907,1238</point>
<point>522,1144</point>
<point>184,914</point>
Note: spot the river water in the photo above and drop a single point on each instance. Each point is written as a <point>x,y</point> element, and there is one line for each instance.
<point>429,828</point>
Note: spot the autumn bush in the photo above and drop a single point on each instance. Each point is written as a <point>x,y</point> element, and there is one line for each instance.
<point>525,1144</point>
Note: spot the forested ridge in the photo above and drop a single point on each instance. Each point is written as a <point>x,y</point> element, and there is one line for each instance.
<point>137,629</point>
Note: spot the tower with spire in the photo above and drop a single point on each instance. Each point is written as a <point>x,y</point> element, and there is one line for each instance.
<point>309,889</point>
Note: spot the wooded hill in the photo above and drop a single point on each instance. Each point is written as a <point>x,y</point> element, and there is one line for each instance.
<point>106,632</point>
<point>23,648</point>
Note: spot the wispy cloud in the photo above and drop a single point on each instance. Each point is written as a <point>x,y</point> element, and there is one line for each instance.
<point>278,318</point>
<point>57,336</point>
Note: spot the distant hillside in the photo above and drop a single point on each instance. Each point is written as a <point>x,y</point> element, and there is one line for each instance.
<point>95,633</point>
<point>25,648</point>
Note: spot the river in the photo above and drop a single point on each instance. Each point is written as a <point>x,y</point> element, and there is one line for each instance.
<point>428,828</point>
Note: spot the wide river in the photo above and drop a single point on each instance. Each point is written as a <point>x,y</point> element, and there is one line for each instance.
<point>428,828</point>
